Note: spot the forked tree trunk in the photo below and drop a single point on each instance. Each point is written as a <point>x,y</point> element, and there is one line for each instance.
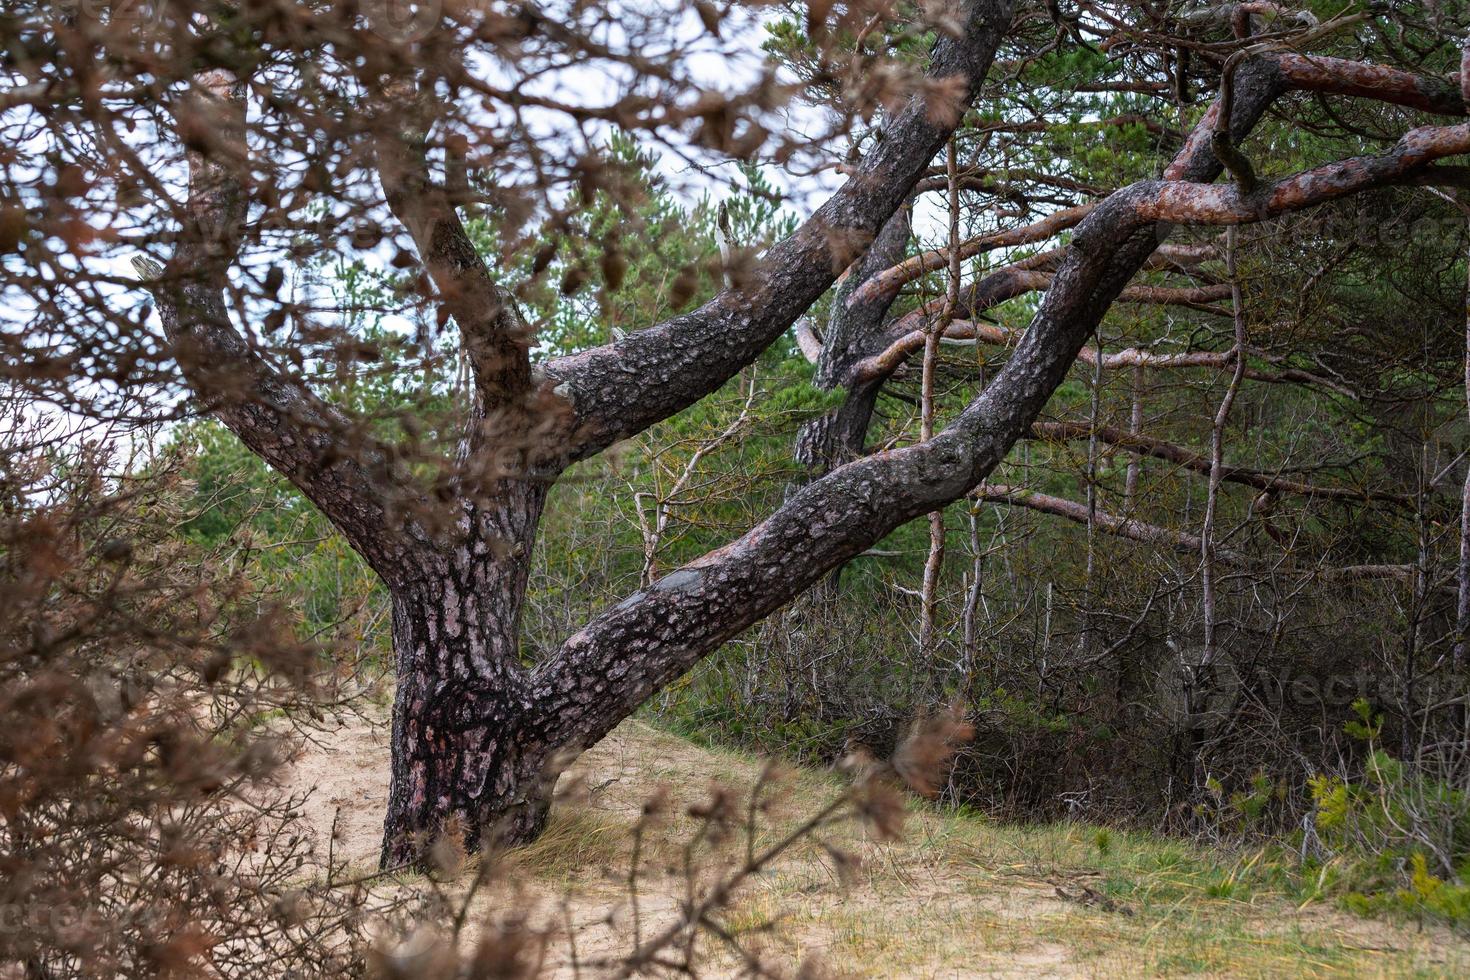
<point>476,736</point>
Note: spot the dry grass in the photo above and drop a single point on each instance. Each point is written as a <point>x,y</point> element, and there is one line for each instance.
<point>957,896</point>
<point>576,840</point>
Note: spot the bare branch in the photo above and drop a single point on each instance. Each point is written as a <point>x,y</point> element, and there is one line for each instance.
<point>1182,541</point>
<point>890,282</point>
<point>1122,527</point>
<point>1142,445</point>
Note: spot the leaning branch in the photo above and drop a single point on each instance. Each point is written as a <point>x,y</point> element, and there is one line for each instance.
<point>495,338</point>
<point>1182,541</point>
<point>277,416</point>
<point>1122,527</point>
<point>622,388</point>
<point>619,659</point>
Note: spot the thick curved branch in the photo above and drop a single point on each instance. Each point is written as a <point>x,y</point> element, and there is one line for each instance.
<point>622,388</point>
<point>1337,76</point>
<point>1410,160</point>
<point>1236,163</point>
<point>277,416</point>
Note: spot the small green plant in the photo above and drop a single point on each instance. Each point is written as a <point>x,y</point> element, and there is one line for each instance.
<point>1400,831</point>
<point>1227,888</point>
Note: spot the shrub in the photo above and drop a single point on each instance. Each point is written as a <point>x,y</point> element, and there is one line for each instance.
<point>1401,829</point>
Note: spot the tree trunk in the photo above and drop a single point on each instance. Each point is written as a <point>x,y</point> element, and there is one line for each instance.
<point>854,331</point>
<point>471,755</point>
<point>1462,572</point>
<point>838,436</point>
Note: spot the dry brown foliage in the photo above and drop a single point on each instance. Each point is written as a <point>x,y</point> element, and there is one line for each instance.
<point>149,692</point>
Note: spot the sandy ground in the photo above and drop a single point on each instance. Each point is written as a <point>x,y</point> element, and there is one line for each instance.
<point>955,897</point>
